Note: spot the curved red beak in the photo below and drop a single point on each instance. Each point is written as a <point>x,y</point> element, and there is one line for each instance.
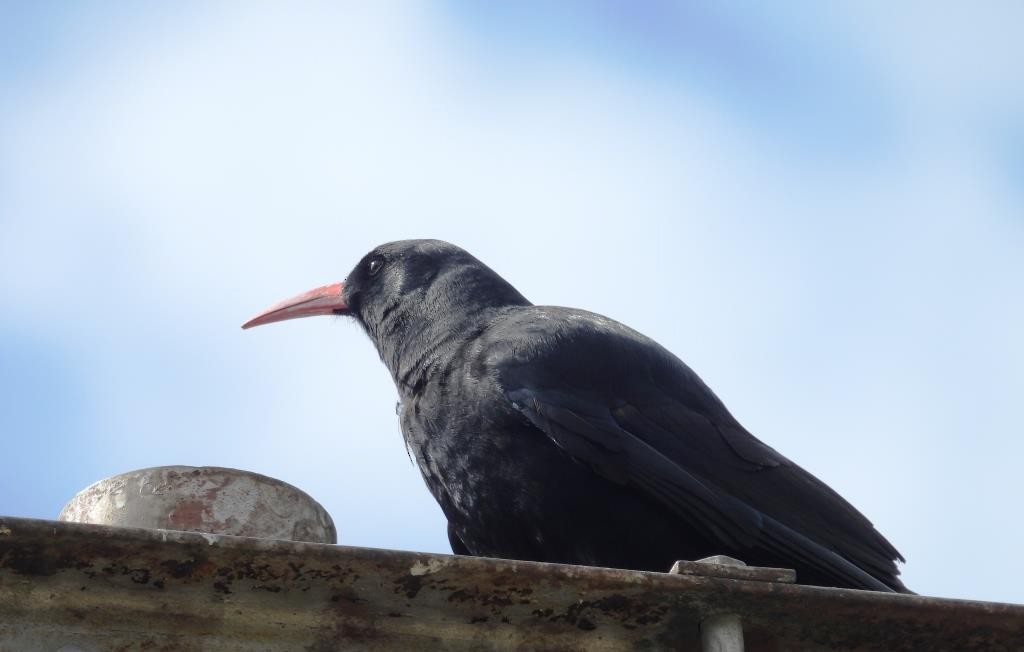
<point>326,300</point>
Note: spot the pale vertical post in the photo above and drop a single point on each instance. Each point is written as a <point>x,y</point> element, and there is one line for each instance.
<point>721,632</point>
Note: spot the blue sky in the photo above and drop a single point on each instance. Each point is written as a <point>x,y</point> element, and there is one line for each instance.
<point>820,207</point>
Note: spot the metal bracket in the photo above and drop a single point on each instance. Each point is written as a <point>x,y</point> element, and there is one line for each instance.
<point>724,632</point>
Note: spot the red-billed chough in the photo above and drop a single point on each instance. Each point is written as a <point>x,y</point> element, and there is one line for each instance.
<point>555,434</point>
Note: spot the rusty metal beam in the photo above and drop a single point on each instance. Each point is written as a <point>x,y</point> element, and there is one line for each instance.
<point>92,588</point>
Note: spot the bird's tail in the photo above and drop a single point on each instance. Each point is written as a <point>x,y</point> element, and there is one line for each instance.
<point>824,563</point>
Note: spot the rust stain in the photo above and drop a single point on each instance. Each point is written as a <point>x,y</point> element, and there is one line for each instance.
<point>188,515</point>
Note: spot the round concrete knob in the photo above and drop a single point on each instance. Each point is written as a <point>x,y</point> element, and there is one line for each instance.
<point>203,499</point>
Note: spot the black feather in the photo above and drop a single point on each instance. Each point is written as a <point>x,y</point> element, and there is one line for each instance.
<point>556,434</point>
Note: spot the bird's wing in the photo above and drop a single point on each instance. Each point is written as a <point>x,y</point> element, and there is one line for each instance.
<point>620,403</point>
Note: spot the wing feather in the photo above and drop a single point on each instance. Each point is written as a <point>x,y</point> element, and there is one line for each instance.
<point>638,415</point>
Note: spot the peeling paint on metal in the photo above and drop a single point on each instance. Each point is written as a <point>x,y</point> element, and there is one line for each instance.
<point>203,499</point>
<point>432,566</point>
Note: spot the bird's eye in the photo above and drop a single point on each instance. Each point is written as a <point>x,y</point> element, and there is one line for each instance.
<point>375,266</point>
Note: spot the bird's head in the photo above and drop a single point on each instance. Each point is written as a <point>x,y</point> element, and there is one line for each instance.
<point>407,295</point>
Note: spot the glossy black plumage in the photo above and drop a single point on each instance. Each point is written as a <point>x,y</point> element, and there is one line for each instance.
<point>556,434</point>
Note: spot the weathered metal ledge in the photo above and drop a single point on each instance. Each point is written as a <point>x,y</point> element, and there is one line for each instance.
<point>91,588</point>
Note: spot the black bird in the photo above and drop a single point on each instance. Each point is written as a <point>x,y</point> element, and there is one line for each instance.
<point>559,435</point>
